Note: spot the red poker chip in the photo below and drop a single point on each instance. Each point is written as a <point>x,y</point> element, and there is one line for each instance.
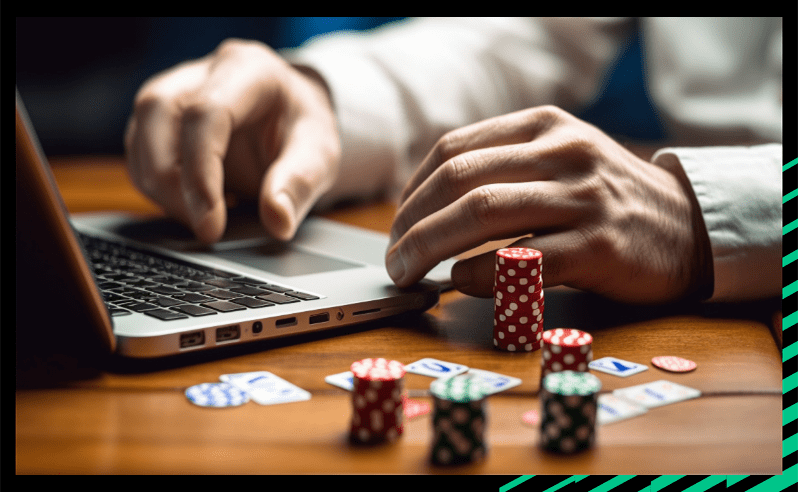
<point>414,408</point>
<point>531,417</point>
<point>378,369</point>
<point>567,337</point>
<point>516,346</point>
<point>520,254</point>
<point>673,364</point>
<point>529,288</point>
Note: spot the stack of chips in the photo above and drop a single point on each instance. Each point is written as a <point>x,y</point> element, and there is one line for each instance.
<point>566,349</point>
<point>568,402</point>
<point>458,421</point>
<point>377,403</point>
<point>518,298</point>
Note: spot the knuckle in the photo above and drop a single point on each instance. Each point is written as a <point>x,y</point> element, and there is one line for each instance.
<point>445,146</point>
<point>456,173</point>
<point>484,205</point>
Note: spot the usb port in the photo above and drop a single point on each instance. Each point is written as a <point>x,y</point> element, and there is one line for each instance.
<point>282,323</point>
<point>193,339</point>
<point>319,318</point>
<point>228,333</point>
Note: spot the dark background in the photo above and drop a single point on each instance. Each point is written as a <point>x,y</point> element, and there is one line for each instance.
<point>78,76</point>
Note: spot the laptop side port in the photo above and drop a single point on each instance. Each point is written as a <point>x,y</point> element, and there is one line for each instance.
<point>282,323</point>
<point>228,333</point>
<point>193,339</point>
<point>319,318</point>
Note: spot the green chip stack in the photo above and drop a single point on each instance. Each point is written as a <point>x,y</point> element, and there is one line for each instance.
<point>458,421</point>
<point>568,403</point>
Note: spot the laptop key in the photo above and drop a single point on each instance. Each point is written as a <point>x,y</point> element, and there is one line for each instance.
<point>249,291</point>
<point>222,294</point>
<point>278,298</point>
<point>164,289</point>
<point>193,298</point>
<point>252,302</point>
<point>302,295</point>
<point>164,301</point>
<point>276,288</point>
<point>224,306</point>
<point>119,312</point>
<point>223,283</point>
<point>194,310</point>
<point>141,306</point>
<point>165,314</point>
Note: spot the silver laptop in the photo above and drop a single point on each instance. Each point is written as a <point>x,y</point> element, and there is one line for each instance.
<point>146,289</point>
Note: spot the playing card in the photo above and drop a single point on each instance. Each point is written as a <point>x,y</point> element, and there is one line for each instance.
<point>657,393</point>
<point>343,380</point>
<point>616,367</point>
<point>495,381</point>
<point>436,368</point>
<point>266,388</point>
<point>612,409</point>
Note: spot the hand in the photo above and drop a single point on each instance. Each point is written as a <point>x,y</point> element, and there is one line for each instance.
<point>605,220</point>
<point>240,118</point>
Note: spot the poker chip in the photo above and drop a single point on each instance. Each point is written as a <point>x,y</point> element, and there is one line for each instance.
<point>414,408</point>
<point>531,417</point>
<point>566,349</point>
<point>216,395</point>
<point>569,402</point>
<point>518,300</point>
<point>377,400</point>
<point>458,421</point>
<point>673,364</point>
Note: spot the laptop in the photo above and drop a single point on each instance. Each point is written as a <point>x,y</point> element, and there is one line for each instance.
<point>111,283</point>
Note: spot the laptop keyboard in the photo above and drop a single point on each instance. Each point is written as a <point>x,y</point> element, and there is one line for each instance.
<point>132,280</point>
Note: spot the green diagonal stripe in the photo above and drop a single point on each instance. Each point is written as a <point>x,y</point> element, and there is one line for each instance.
<point>789,165</point>
<point>789,352</point>
<point>515,482</point>
<point>790,227</point>
<point>733,479</point>
<point>788,321</point>
<point>789,290</point>
<point>565,482</point>
<point>789,445</point>
<point>663,481</point>
<point>611,484</point>
<point>778,482</point>
<point>789,196</point>
<point>789,414</point>
<point>790,257</point>
<point>790,382</point>
<point>705,484</point>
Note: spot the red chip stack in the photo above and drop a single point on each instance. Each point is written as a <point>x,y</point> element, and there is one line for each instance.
<point>377,403</point>
<point>566,349</point>
<point>518,299</point>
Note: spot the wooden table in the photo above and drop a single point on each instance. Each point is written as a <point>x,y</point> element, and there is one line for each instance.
<point>138,420</point>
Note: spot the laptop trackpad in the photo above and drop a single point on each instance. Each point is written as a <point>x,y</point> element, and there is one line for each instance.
<point>283,259</point>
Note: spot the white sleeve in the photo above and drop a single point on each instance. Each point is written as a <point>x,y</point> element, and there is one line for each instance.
<point>397,89</point>
<point>739,191</point>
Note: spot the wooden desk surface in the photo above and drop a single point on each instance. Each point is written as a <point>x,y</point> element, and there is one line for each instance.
<point>133,420</point>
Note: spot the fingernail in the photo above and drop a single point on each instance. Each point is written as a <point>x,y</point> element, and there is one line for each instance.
<point>285,221</point>
<point>396,266</point>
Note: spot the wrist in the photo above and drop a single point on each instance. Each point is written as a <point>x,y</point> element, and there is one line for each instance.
<point>701,271</point>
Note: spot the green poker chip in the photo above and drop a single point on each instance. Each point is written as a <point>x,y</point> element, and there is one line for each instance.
<point>460,389</point>
<point>571,383</point>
